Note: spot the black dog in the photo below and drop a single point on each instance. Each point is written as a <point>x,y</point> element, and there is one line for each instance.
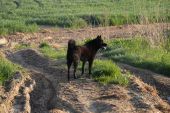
<point>84,53</point>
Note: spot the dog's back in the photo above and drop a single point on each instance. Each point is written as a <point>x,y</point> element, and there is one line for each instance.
<point>75,52</point>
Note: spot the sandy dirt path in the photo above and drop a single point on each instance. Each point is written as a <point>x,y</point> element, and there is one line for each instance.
<point>53,93</point>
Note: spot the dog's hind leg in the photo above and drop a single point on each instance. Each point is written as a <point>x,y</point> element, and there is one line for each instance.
<point>83,67</point>
<point>90,66</point>
<point>75,68</point>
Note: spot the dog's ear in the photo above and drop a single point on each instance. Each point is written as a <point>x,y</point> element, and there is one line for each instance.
<point>99,37</point>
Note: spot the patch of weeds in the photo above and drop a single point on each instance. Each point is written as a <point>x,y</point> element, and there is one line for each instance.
<point>106,72</point>
<point>43,44</point>
<point>51,52</point>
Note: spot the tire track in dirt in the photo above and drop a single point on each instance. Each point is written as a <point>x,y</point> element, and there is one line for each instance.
<point>42,94</point>
<point>43,73</point>
<point>161,82</point>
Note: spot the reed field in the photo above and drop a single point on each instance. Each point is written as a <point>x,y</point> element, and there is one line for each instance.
<point>26,15</point>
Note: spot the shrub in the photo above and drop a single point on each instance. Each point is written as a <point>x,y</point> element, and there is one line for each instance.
<point>71,22</point>
<point>96,20</point>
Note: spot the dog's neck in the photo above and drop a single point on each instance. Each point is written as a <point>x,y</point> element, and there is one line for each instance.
<point>92,47</point>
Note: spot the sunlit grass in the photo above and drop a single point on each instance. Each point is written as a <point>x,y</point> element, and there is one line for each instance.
<point>138,52</point>
<point>107,72</point>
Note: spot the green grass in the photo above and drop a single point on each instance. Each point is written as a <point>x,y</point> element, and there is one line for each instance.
<point>50,52</point>
<point>12,26</point>
<point>139,53</point>
<point>25,15</point>
<point>106,72</point>
<point>7,69</point>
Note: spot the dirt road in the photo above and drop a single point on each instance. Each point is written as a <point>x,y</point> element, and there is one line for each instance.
<point>53,93</point>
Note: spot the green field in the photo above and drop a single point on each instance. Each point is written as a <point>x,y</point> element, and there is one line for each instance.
<point>25,15</point>
<point>139,53</point>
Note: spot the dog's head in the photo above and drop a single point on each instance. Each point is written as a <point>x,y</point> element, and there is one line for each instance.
<point>100,42</point>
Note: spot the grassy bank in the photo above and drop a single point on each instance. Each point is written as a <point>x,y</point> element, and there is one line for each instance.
<point>7,69</point>
<point>24,15</point>
<point>138,52</point>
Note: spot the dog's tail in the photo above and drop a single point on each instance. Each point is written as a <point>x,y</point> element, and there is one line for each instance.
<point>71,47</point>
<point>71,44</point>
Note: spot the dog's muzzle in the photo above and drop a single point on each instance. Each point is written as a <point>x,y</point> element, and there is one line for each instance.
<point>104,47</point>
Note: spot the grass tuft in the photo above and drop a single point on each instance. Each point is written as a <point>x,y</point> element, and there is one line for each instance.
<point>106,72</point>
<point>43,45</point>
<point>22,46</point>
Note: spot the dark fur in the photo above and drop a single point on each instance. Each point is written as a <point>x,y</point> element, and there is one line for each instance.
<point>84,53</point>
